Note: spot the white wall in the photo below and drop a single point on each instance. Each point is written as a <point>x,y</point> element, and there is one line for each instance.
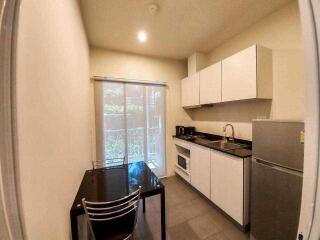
<point>124,65</point>
<point>53,114</point>
<point>280,32</point>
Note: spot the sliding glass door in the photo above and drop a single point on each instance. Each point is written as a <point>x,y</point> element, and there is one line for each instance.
<point>130,123</point>
<point>136,122</point>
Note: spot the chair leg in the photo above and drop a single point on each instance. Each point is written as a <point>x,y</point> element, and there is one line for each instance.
<point>143,205</point>
<point>131,237</point>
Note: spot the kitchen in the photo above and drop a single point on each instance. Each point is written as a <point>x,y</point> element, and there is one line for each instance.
<point>203,158</point>
<point>198,108</point>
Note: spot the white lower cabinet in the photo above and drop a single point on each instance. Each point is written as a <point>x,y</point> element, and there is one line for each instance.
<point>229,185</point>
<point>200,168</point>
<point>221,177</point>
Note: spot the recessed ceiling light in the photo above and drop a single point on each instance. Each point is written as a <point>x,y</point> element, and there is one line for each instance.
<point>142,36</point>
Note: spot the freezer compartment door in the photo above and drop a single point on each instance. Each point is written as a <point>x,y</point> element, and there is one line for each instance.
<point>278,142</point>
<point>275,202</point>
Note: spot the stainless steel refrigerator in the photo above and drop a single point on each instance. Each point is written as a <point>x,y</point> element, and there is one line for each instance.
<point>276,180</point>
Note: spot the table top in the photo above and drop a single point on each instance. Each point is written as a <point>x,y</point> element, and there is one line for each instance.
<point>108,184</point>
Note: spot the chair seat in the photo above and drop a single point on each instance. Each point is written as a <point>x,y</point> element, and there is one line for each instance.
<point>117,229</point>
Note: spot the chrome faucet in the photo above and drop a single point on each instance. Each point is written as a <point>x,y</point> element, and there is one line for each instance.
<point>225,133</point>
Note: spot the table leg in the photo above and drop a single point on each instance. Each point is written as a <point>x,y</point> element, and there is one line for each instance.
<point>163,215</point>
<point>144,205</point>
<point>74,225</point>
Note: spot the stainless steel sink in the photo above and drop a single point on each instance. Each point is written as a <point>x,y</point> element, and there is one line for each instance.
<point>227,145</point>
<point>204,141</point>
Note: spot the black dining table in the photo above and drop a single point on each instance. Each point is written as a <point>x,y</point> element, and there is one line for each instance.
<point>108,184</point>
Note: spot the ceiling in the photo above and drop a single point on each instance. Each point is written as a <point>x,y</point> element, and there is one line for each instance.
<point>180,28</point>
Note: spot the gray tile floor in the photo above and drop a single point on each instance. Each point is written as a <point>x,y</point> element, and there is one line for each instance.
<point>189,217</point>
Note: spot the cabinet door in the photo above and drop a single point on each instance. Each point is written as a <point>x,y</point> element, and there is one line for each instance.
<point>227,184</point>
<point>200,169</point>
<point>210,84</point>
<point>184,92</point>
<point>239,75</point>
<point>190,90</point>
<point>195,78</point>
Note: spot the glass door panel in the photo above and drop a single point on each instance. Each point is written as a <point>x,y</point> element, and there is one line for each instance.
<point>135,109</point>
<point>114,121</point>
<point>130,122</point>
<point>156,129</point>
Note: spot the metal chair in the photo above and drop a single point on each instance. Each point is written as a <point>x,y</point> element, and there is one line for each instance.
<point>110,162</point>
<point>114,220</point>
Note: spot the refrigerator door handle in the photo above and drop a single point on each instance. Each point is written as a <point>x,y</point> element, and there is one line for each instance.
<point>277,167</point>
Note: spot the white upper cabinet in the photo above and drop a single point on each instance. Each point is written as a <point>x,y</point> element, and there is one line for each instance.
<point>200,168</point>
<point>196,88</point>
<point>247,75</point>
<point>210,84</point>
<point>185,87</point>
<point>244,75</point>
<point>190,91</point>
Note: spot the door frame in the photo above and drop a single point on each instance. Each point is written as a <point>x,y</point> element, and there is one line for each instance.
<point>309,224</point>
<point>11,220</point>
<point>11,213</point>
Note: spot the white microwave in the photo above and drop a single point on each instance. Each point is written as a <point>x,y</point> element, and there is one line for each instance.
<point>183,162</point>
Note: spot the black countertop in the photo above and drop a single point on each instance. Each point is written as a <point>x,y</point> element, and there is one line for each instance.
<point>203,139</point>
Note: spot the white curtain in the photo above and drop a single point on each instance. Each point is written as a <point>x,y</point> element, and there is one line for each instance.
<point>130,122</point>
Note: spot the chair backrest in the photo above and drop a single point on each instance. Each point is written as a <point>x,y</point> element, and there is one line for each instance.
<point>110,162</point>
<point>113,210</point>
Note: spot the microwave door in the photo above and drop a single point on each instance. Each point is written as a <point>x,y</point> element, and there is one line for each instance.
<point>182,162</point>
